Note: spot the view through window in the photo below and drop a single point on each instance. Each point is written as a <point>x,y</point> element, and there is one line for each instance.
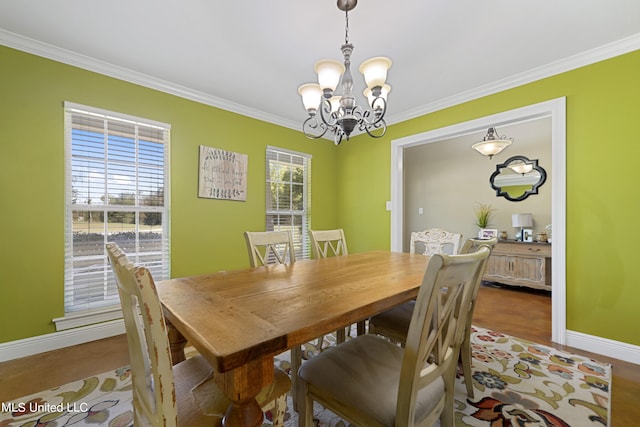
<point>289,195</point>
<point>117,170</point>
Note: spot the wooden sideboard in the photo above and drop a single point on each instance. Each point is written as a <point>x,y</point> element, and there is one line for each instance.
<point>520,264</point>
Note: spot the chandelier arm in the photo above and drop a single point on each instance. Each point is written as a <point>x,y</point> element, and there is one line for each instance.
<point>313,129</point>
<point>378,124</point>
<point>325,109</point>
<point>378,114</point>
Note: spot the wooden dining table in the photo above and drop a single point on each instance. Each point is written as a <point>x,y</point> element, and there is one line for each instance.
<point>239,320</point>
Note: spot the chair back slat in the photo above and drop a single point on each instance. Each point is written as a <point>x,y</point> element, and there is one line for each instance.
<point>269,247</point>
<point>326,243</point>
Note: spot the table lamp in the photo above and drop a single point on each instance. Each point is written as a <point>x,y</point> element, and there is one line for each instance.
<point>521,220</point>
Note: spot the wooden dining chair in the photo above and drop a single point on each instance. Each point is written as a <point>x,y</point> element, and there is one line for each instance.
<point>270,247</point>
<point>435,241</point>
<point>326,243</point>
<point>469,246</point>
<point>186,393</point>
<point>370,381</point>
<point>394,323</point>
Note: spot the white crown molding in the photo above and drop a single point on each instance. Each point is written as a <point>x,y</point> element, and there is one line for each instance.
<point>592,56</point>
<point>45,50</point>
<point>68,57</point>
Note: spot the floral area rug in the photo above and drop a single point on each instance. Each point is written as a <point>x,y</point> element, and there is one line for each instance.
<point>516,383</point>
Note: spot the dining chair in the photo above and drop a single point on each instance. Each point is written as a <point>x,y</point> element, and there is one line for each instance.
<point>166,395</point>
<point>469,246</point>
<point>370,381</point>
<point>435,241</point>
<point>394,323</point>
<point>275,247</point>
<point>326,243</point>
<point>270,247</point>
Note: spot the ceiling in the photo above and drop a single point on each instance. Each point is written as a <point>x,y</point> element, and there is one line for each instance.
<point>250,56</point>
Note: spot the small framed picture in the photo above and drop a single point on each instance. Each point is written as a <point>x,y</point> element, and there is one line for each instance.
<point>487,233</point>
<point>527,235</point>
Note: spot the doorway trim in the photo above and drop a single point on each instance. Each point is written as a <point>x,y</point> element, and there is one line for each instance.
<point>556,109</point>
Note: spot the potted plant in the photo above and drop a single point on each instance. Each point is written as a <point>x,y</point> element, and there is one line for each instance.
<point>483,213</point>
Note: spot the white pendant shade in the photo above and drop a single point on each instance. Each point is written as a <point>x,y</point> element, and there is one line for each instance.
<point>491,148</point>
<point>329,73</point>
<point>375,71</point>
<point>311,95</point>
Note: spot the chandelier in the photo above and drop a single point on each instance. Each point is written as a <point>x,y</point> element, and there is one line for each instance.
<point>492,143</point>
<point>340,114</point>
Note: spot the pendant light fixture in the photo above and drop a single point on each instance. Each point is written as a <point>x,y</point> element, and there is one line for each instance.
<point>340,114</point>
<point>492,143</point>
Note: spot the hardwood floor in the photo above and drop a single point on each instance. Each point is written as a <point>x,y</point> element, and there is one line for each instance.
<point>518,312</point>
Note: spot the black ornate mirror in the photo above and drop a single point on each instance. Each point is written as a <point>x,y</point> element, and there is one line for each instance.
<point>517,178</point>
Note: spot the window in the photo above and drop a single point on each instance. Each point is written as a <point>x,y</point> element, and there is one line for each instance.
<point>116,190</point>
<point>289,195</point>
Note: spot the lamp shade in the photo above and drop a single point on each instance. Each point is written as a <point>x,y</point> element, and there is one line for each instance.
<point>329,73</point>
<point>375,71</point>
<point>522,220</point>
<point>492,143</point>
<point>311,95</point>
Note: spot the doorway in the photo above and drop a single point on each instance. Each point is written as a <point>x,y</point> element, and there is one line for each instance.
<point>555,109</point>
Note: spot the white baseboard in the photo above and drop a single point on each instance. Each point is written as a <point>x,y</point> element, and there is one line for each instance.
<point>610,348</point>
<point>56,340</point>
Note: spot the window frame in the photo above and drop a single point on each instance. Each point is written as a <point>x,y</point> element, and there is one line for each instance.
<point>301,242</point>
<point>159,256</point>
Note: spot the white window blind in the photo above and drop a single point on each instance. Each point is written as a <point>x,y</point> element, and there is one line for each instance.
<point>289,196</point>
<point>116,190</point>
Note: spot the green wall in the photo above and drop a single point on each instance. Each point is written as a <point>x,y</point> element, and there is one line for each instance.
<point>206,233</point>
<point>602,149</point>
<point>603,109</point>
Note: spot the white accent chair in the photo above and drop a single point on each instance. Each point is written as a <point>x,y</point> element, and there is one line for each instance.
<point>186,393</point>
<point>370,381</point>
<point>435,241</point>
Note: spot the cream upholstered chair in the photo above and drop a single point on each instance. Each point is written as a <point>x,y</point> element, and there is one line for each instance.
<point>270,247</point>
<point>435,241</point>
<point>184,394</point>
<point>372,382</point>
<point>326,243</point>
<point>394,323</point>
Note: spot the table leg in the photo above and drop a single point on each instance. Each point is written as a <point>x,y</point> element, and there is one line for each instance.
<point>241,386</point>
<point>177,342</point>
